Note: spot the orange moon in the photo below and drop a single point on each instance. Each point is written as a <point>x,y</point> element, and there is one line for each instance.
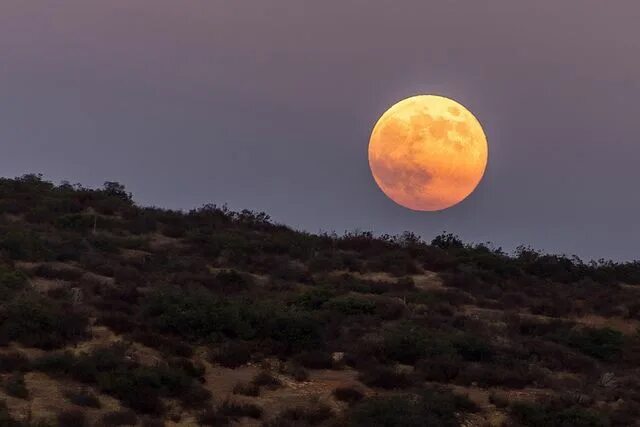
<point>428,153</point>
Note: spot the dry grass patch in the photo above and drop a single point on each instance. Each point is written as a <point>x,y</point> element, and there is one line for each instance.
<point>428,281</point>
<point>626,326</point>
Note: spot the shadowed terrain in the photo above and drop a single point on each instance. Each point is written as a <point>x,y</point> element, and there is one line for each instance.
<point>116,314</point>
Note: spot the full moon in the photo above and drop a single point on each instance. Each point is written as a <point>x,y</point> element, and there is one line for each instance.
<point>427,153</point>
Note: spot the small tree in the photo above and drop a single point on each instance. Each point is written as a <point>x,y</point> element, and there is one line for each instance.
<point>115,189</point>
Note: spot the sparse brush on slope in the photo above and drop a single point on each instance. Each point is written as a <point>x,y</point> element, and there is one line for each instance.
<point>216,300</point>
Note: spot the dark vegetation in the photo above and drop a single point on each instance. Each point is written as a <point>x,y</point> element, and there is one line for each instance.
<point>83,397</point>
<point>426,407</point>
<point>246,290</point>
<point>138,387</point>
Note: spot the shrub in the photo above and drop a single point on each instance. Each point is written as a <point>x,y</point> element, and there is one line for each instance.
<point>405,283</point>
<point>500,400</point>
<point>15,386</point>
<point>24,246</point>
<point>240,409</point>
<point>472,348</point>
<point>195,396</point>
<point>13,361</point>
<point>117,322</point>
<point>232,354</point>
<point>385,377</point>
<point>349,282</point>
<point>196,315</point>
<point>212,417</point>
<point>232,281</point>
<point>295,331</point>
<point>203,316</point>
<point>405,343</point>
<point>127,275</point>
<point>247,389</point>
<point>559,357</point>
<point>5,416</point>
<point>289,271</point>
<point>351,305</point>
<point>83,397</point>
<point>314,299</point>
<point>72,418</point>
<point>139,387</point>
<point>76,222</point>
<point>350,395</point>
<point>298,372</point>
<point>37,322</point>
<point>58,362</point>
<point>604,344</point>
<point>11,281</point>
<point>310,414</point>
<point>549,415</point>
<point>389,308</point>
<point>189,367</point>
<point>49,272</point>
<point>518,376</point>
<point>172,345</point>
<point>267,380</point>
<point>315,359</point>
<point>409,342</point>
<point>429,407</point>
<point>119,418</point>
<point>152,422</point>
<point>439,369</point>
<point>396,262</point>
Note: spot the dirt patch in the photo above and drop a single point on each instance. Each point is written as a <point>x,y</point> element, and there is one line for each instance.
<point>134,254</point>
<point>98,278</point>
<point>375,276</point>
<point>58,265</point>
<point>319,387</point>
<point>428,281</point>
<point>626,326</point>
<point>45,285</point>
<point>160,241</point>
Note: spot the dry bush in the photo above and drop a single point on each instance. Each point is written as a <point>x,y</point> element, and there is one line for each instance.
<point>117,322</point>
<point>16,387</point>
<point>315,359</point>
<point>13,361</point>
<point>267,380</point>
<point>72,418</point>
<point>83,397</point>
<point>350,395</point>
<point>233,409</point>
<point>232,354</point>
<point>212,417</point>
<point>167,345</point>
<point>439,369</point>
<point>310,414</point>
<point>385,377</point>
<point>123,417</point>
<point>247,389</point>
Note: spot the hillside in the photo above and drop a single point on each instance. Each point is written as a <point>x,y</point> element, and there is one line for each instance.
<point>116,314</point>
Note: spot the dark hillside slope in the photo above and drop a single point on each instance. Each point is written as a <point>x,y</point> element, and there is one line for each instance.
<point>115,314</point>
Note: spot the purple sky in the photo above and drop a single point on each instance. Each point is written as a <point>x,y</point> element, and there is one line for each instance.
<point>269,105</point>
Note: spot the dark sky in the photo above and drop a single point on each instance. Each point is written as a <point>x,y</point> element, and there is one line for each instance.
<point>269,105</point>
